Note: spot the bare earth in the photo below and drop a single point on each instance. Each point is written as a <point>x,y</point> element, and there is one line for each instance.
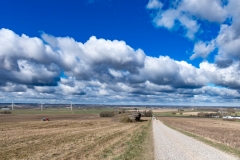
<point>217,130</point>
<point>172,145</point>
<point>164,110</point>
<point>195,113</point>
<point>38,117</point>
<point>87,138</point>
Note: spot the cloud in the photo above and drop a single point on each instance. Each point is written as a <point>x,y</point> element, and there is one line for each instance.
<point>224,63</point>
<point>166,71</point>
<point>154,4</point>
<point>182,14</point>
<point>26,60</point>
<point>190,25</point>
<point>94,58</point>
<point>202,49</point>
<point>228,43</point>
<point>166,19</point>
<point>196,18</point>
<point>107,71</point>
<point>212,11</point>
<point>226,77</point>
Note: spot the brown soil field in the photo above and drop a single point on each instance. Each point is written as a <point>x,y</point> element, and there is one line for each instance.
<point>86,137</point>
<point>195,113</point>
<point>155,110</point>
<point>38,117</point>
<point>164,110</point>
<point>216,130</point>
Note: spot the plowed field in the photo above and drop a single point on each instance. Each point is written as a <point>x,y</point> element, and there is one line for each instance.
<point>216,130</point>
<point>68,139</point>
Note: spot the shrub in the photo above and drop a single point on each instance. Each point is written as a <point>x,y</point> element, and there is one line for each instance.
<point>147,113</point>
<point>107,114</point>
<point>208,115</point>
<point>181,113</point>
<point>125,119</point>
<point>173,112</point>
<point>5,112</point>
<point>123,111</point>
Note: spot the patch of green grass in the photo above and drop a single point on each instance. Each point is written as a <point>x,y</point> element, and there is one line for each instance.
<point>219,146</point>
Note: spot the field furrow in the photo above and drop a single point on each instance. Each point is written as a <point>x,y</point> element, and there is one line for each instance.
<point>68,139</point>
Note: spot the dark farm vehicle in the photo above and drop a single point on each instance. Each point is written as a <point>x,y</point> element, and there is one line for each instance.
<point>135,116</point>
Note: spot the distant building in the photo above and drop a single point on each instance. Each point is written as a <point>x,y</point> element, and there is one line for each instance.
<point>230,117</point>
<point>222,111</point>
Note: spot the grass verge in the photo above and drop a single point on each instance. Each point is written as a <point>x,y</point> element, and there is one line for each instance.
<point>219,146</point>
<point>148,145</point>
<point>140,145</point>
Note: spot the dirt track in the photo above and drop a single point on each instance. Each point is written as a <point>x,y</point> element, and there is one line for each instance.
<point>173,145</point>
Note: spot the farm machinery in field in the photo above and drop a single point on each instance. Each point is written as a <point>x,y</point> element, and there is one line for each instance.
<point>45,119</point>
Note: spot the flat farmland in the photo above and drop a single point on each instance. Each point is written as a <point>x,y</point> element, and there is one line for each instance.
<point>71,137</point>
<point>216,130</point>
<point>164,110</point>
<point>59,111</point>
<point>38,117</point>
<point>195,113</point>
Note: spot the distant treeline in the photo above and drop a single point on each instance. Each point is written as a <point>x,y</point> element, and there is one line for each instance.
<point>208,115</point>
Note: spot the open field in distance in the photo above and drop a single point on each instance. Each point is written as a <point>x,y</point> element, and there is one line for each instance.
<point>52,117</point>
<point>59,111</point>
<point>176,113</point>
<point>194,113</point>
<point>164,110</point>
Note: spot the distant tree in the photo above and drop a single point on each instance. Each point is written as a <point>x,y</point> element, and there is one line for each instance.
<point>107,114</point>
<point>231,110</point>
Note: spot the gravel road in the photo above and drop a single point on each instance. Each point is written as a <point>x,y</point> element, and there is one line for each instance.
<point>172,145</point>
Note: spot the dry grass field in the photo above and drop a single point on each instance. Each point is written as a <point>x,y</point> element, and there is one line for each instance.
<point>190,113</point>
<point>38,117</point>
<point>82,138</point>
<point>164,110</point>
<point>194,113</point>
<point>216,130</point>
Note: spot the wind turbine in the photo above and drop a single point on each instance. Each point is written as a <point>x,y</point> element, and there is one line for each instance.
<point>41,105</point>
<point>71,107</point>
<point>12,105</point>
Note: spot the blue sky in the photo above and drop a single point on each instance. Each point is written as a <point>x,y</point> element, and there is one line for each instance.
<point>120,52</point>
<point>108,19</point>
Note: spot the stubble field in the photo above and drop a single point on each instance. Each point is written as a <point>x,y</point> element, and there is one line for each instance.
<point>88,137</point>
<point>216,130</point>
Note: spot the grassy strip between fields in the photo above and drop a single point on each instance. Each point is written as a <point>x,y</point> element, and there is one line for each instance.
<point>138,144</point>
<point>219,146</point>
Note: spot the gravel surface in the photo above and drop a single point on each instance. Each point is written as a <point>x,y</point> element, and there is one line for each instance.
<point>172,145</point>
